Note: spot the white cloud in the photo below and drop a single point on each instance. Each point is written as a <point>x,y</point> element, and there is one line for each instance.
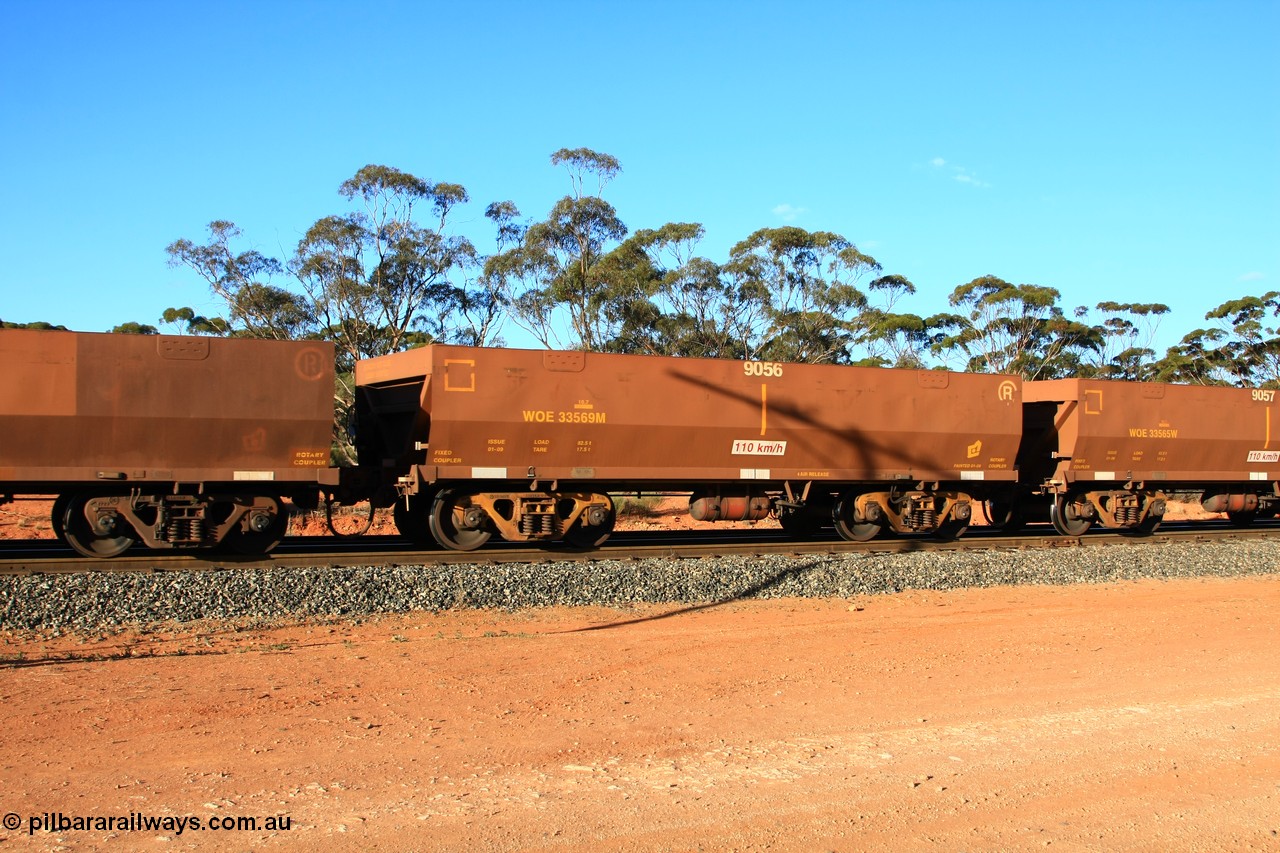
<point>965,178</point>
<point>788,213</point>
<point>1252,276</point>
<point>959,174</point>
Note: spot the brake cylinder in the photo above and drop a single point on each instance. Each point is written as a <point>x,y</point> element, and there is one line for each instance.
<point>728,508</point>
<point>1230,503</point>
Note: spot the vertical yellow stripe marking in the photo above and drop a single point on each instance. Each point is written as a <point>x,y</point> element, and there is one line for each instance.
<point>764,408</point>
<point>1267,445</point>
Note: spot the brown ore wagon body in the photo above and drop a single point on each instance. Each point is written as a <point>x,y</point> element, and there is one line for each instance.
<point>526,443</point>
<point>185,442</point>
<point>1109,451</point>
<point>175,441</point>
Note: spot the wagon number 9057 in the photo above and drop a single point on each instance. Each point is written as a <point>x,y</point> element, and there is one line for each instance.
<point>1264,396</point>
<point>761,368</point>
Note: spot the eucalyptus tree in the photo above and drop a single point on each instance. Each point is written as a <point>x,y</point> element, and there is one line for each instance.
<point>1128,335</point>
<point>243,280</point>
<point>39,325</point>
<point>373,280</point>
<point>134,328</point>
<point>799,293</point>
<point>1007,328</point>
<point>551,276</point>
<point>1241,348</point>
<point>886,337</point>
<point>383,277</point>
<point>187,322</point>
<point>670,300</point>
<point>1251,341</point>
<point>1194,360</point>
<point>379,280</point>
<point>484,302</point>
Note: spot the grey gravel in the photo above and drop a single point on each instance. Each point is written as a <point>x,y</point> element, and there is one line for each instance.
<point>97,601</point>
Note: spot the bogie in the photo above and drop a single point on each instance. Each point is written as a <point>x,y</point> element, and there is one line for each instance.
<point>105,525</point>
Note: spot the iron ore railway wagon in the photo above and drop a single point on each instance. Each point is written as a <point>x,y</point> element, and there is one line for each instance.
<point>1108,453</point>
<point>175,442</point>
<point>530,444</point>
<point>180,442</point>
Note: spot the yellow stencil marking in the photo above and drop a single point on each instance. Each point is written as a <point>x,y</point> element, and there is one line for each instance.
<point>764,407</point>
<point>458,379</point>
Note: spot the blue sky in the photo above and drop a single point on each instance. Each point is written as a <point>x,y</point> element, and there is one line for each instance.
<point>1125,151</point>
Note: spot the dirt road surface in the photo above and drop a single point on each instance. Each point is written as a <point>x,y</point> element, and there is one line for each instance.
<point>1141,716</point>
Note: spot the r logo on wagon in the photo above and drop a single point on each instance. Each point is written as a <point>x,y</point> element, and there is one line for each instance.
<point>311,364</point>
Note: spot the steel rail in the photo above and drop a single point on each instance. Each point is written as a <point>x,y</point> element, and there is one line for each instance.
<point>50,557</point>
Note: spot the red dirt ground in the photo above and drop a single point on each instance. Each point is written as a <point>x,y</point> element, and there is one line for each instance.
<point>1139,716</point>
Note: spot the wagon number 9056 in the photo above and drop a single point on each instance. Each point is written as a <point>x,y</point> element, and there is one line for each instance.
<point>761,368</point>
<point>1264,396</point>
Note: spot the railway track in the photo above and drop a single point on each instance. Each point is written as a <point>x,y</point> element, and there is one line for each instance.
<point>28,557</point>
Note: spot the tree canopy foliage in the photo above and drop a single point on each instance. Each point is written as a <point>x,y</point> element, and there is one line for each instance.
<point>39,325</point>
<point>394,271</point>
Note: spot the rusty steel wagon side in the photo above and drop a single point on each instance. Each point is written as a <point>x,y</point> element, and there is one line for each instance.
<point>1110,452</point>
<point>177,442</point>
<point>529,444</point>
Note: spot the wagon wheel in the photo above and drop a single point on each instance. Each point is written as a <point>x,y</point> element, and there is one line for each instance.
<point>1003,515</point>
<point>357,525</point>
<point>58,514</point>
<point>593,536</point>
<point>853,531</point>
<point>1147,526</point>
<point>1064,521</point>
<point>109,541</point>
<point>1242,518</point>
<point>952,528</point>
<point>261,541</point>
<point>412,522</point>
<point>799,525</point>
<point>455,524</point>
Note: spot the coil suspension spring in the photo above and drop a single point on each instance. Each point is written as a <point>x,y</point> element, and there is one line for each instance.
<point>1127,514</point>
<point>183,528</point>
<point>538,523</point>
<point>924,517</point>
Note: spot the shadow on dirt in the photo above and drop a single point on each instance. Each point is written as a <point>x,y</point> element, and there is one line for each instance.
<point>750,591</point>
